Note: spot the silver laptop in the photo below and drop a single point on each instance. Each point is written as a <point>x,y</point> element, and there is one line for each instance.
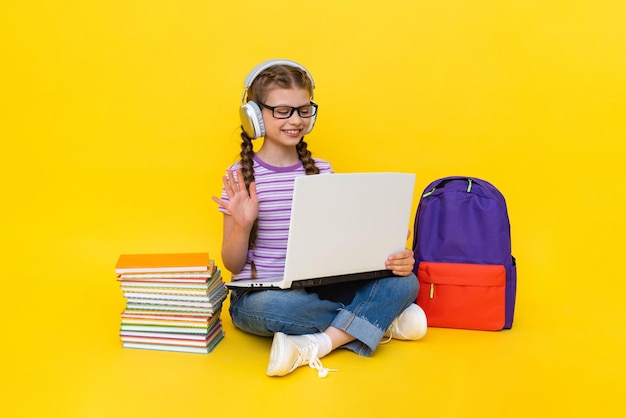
<point>343,227</point>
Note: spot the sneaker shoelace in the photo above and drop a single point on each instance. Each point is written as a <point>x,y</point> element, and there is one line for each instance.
<point>388,338</point>
<point>308,353</point>
<point>390,332</point>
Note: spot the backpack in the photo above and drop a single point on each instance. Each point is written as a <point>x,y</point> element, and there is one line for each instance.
<point>463,260</point>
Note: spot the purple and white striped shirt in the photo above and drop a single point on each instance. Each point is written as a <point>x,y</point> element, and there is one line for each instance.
<point>274,187</point>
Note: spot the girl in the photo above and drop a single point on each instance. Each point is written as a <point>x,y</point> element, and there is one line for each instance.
<point>307,324</point>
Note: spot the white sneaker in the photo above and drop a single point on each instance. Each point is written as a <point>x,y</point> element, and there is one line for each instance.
<point>411,324</point>
<point>289,352</point>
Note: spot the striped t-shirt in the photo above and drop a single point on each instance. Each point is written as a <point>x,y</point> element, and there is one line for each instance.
<point>274,186</point>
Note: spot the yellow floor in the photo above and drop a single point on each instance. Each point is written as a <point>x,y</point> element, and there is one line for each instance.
<point>564,357</point>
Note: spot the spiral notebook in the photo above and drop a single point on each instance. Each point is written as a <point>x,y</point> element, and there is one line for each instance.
<point>343,227</point>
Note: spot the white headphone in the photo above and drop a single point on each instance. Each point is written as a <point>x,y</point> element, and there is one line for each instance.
<point>250,112</point>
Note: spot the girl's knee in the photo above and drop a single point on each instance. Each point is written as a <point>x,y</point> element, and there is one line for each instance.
<point>409,284</point>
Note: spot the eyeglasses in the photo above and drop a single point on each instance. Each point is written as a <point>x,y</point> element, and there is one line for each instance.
<point>285,112</point>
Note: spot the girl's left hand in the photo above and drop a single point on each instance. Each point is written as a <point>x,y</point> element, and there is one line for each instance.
<point>401,264</point>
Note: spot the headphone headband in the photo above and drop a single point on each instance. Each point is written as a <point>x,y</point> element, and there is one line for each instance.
<point>267,64</point>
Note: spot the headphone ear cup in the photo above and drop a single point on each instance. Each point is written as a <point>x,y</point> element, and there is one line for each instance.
<point>312,122</point>
<point>252,120</point>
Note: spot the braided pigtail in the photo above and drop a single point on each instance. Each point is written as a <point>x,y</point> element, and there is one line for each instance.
<point>247,170</point>
<point>307,160</point>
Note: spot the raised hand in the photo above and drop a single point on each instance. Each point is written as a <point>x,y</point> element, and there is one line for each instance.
<point>242,206</point>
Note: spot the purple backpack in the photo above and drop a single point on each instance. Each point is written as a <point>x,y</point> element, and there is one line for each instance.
<point>463,260</point>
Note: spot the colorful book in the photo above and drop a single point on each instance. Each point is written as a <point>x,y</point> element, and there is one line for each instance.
<point>181,277</point>
<point>151,263</point>
<point>168,329</point>
<point>166,291</point>
<point>162,278</point>
<point>173,339</point>
<point>216,297</point>
<point>173,288</point>
<point>176,348</point>
<point>159,297</point>
<point>178,278</point>
<point>166,316</point>
<point>166,341</point>
<point>206,322</point>
<point>168,285</point>
<point>174,303</point>
<point>195,337</point>
<point>147,307</point>
<point>163,323</point>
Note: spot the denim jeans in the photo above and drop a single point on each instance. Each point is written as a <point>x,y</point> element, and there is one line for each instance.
<point>295,311</point>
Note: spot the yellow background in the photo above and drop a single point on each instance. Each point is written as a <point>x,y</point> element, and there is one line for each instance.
<point>118,118</point>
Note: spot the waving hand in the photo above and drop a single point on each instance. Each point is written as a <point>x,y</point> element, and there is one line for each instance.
<point>243,206</point>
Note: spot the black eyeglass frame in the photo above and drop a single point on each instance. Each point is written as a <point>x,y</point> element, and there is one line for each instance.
<point>313,106</point>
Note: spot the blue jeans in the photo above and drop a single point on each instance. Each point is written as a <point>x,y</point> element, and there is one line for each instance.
<point>296,312</point>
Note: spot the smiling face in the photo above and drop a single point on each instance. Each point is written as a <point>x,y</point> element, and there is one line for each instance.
<point>285,132</point>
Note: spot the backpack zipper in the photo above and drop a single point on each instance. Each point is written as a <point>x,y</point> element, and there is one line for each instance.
<point>432,290</point>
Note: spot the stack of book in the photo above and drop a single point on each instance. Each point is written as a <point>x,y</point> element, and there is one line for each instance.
<point>173,302</point>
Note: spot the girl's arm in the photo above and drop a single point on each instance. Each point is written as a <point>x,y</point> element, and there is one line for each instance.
<point>244,209</point>
<point>234,245</point>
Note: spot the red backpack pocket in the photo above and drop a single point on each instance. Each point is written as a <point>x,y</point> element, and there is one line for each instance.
<point>469,296</point>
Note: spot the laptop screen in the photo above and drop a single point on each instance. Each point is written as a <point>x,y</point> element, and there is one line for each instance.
<point>347,223</point>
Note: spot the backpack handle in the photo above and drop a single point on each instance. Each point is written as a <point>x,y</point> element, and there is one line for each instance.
<point>443,182</point>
